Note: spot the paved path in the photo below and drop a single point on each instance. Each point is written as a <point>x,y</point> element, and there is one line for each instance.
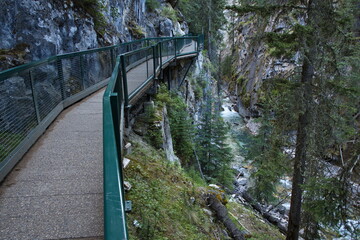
<point>55,192</point>
<point>136,76</point>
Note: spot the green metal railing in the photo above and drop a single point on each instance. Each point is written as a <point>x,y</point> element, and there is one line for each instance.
<point>132,73</point>
<point>34,94</point>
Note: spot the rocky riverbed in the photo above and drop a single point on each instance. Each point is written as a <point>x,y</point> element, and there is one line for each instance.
<point>240,136</point>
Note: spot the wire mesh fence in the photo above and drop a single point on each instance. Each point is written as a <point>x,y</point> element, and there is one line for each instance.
<point>29,93</point>
<point>17,111</point>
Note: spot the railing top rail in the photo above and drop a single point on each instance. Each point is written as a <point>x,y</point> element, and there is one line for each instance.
<point>29,65</point>
<point>136,51</point>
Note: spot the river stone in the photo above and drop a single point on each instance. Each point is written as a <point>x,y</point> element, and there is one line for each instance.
<point>242,181</point>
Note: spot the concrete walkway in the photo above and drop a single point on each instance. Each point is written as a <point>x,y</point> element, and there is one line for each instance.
<point>56,192</point>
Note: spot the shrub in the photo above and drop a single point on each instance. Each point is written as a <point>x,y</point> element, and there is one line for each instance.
<point>170,13</point>
<point>93,8</point>
<point>151,5</point>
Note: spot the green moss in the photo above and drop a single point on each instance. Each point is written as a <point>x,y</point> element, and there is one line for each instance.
<point>136,30</point>
<point>198,85</point>
<point>182,130</point>
<point>93,8</point>
<point>151,120</point>
<point>18,52</point>
<point>246,99</point>
<point>151,5</point>
<point>228,69</point>
<point>241,79</point>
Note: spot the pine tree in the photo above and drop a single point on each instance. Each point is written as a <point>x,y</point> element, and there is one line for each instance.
<point>212,19</point>
<point>212,149</point>
<point>182,130</point>
<point>322,109</point>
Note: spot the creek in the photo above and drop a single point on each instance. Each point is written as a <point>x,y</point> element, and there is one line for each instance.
<point>239,140</point>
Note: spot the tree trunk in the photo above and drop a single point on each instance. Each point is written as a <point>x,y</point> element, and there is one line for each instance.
<point>300,159</point>
<point>263,212</point>
<point>223,216</point>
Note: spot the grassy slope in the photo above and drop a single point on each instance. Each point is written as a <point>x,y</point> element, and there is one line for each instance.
<point>162,195</point>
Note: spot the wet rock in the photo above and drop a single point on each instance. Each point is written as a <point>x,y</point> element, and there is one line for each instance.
<point>69,27</point>
<point>286,207</point>
<point>167,139</point>
<point>178,30</point>
<point>166,27</point>
<point>253,126</point>
<point>242,181</point>
<point>236,108</point>
<point>281,209</point>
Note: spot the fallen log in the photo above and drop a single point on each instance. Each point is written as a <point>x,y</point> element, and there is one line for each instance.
<point>222,215</point>
<point>265,214</point>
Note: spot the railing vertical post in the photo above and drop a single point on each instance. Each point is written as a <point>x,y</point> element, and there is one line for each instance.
<point>197,43</point>
<point>175,47</point>
<point>154,60</point>
<point>112,58</point>
<point>34,97</point>
<point>160,52</point>
<point>115,108</point>
<point>124,78</point>
<point>169,79</point>
<point>61,78</point>
<point>82,71</point>
<point>147,64</point>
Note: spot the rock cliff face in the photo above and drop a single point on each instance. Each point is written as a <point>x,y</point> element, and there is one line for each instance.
<point>36,29</point>
<point>33,30</point>
<point>251,60</point>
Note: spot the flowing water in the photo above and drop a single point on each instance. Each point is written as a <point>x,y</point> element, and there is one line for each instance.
<point>238,131</point>
<point>239,140</point>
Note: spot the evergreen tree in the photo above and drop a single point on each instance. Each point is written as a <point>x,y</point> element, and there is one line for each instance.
<point>322,109</point>
<point>214,153</point>
<point>182,130</point>
<point>205,17</point>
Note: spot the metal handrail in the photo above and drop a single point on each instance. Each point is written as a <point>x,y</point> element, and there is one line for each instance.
<point>114,206</point>
<point>26,66</point>
<point>46,87</point>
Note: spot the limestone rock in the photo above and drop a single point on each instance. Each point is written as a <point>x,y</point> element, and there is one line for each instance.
<point>166,27</point>
<point>167,139</point>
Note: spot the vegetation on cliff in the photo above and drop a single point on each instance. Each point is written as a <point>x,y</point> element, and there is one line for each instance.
<point>310,117</point>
